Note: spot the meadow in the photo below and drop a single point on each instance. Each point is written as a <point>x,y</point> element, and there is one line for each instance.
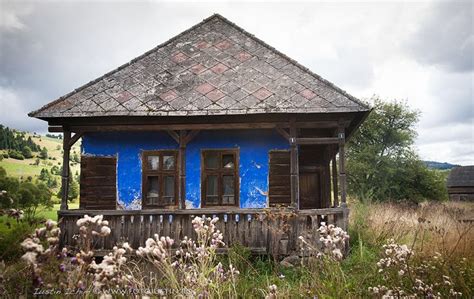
<point>27,167</point>
<point>394,250</point>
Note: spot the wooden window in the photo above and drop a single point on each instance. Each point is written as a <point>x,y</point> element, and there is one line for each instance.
<point>160,178</point>
<point>279,190</point>
<point>220,178</point>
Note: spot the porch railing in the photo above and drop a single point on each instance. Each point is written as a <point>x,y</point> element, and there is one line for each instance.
<point>274,231</point>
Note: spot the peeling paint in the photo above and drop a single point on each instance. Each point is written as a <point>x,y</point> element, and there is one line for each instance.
<point>253,146</point>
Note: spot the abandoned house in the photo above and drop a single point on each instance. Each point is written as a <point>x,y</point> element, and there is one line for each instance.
<point>212,122</point>
<point>460,183</point>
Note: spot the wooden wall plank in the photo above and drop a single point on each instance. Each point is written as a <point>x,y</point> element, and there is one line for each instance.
<point>98,183</point>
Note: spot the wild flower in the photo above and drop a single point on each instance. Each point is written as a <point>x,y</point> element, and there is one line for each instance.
<point>332,242</point>
<point>109,273</point>
<point>36,255</point>
<point>189,265</point>
<point>272,292</point>
<point>412,276</point>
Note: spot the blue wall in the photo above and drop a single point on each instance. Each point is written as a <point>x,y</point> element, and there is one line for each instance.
<point>253,146</point>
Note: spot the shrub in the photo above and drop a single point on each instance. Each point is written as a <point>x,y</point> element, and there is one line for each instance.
<point>26,152</point>
<point>14,154</point>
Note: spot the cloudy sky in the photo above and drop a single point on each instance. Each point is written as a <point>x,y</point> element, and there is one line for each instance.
<point>420,52</point>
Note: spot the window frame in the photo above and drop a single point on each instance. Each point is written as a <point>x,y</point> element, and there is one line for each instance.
<point>161,174</point>
<point>220,173</point>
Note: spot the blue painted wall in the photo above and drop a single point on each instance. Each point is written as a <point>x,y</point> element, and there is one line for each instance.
<point>253,146</point>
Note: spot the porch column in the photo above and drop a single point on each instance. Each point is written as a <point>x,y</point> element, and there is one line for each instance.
<point>342,167</point>
<point>334,182</point>
<point>294,167</point>
<point>182,170</point>
<point>65,172</point>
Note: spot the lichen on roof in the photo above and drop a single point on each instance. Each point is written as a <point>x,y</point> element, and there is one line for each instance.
<point>213,68</point>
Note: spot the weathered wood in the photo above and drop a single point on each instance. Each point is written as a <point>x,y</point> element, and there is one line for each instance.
<point>342,167</point>
<point>98,183</point>
<point>294,176</point>
<point>75,138</point>
<point>182,169</point>
<point>279,191</point>
<point>173,135</point>
<point>65,172</point>
<point>191,136</point>
<point>248,227</point>
<point>283,133</point>
<point>334,182</point>
<point>317,140</point>
<point>192,126</point>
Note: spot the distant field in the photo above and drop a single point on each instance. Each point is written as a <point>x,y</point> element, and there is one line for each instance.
<point>25,168</point>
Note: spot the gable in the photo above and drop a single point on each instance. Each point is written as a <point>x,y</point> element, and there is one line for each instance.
<point>213,68</point>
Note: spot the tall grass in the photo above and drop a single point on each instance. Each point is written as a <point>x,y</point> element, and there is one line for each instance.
<point>402,250</point>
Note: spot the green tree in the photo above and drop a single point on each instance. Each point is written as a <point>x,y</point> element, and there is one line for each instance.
<point>24,195</point>
<point>44,153</point>
<point>382,164</point>
<point>73,189</point>
<point>26,152</point>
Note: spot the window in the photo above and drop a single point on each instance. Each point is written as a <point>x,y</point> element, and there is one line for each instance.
<point>219,178</point>
<point>159,178</point>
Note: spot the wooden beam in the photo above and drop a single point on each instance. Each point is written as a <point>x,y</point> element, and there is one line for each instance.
<point>191,136</point>
<point>55,129</point>
<point>317,140</point>
<point>283,133</point>
<point>196,126</point>
<point>174,135</point>
<point>75,138</point>
<point>65,172</point>
<point>182,169</point>
<point>294,170</point>
<point>334,182</point>
<point>342,167</point>
<point>197,211</point>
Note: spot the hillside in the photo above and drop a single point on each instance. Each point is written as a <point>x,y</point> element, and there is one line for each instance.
<point>439,165</point>
<point>30,168</point>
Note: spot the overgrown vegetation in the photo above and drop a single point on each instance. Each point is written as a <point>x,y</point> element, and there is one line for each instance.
<point>414,251</point>
<point>12,140</point>
<point>23,195</point>
<point>382,164</point>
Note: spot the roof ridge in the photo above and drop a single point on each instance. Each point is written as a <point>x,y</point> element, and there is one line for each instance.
<point>215,15</point>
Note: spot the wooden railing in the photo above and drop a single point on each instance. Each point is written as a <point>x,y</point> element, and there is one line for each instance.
<point>274,231</point>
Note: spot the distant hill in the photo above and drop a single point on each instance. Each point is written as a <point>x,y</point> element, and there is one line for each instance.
<point>24,167</point>
<point>440,165</point>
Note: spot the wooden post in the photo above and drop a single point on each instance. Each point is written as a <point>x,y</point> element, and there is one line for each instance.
<point>334,182</point>
<point>182,170</point>
<point>65,173</point>
<point>342,167</point>
<point>294,168</point>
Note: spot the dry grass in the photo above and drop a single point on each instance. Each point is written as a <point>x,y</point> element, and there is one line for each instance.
<point>447,228</point>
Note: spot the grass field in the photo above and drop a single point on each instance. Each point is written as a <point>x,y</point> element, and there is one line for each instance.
<point>24,168</point>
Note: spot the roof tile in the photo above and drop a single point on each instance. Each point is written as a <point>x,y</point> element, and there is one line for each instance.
<point>213,62</point>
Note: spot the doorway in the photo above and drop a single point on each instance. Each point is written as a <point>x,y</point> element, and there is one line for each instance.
<point>310,189</point>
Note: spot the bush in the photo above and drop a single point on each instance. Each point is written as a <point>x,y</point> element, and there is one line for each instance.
<point>26,152</point>
<point>14,154</point>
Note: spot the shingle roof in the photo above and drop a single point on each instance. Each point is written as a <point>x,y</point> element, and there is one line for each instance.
<point>462,176</point>
<point>213,68</point>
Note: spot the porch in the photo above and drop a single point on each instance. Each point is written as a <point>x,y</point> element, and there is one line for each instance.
<point>306,186</point>
<point>274,231</point>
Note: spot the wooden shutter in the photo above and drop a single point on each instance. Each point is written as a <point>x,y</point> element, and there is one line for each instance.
<point>279,191</point>
<point>98,183</point>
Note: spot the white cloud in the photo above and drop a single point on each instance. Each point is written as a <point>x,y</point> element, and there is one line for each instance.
<point>398,50</point>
